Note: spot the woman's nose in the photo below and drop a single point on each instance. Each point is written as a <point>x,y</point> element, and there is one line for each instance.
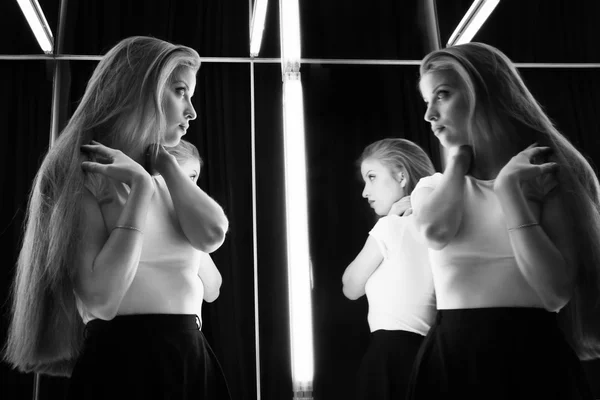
<point>190,112</point>
<point>431,114</point>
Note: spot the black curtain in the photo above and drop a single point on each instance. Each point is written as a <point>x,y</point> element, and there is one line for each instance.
<point>25,104</point>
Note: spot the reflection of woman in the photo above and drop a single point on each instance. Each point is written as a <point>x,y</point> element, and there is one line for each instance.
<point>392,269</point>
<point>112,246</point>
<point>189,160</point>
<point>514,229</point>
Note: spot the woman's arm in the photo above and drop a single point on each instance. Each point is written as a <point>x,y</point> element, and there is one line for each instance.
<point>107,261</point>
<point>545,253</point>
<point>202,219</point>
<point>438,212</point>
<point>358,272</point>
<point>210,277</point>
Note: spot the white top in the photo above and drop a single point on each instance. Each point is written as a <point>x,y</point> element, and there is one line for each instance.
<point>400,291</point>
<point>477,268</point>
<point>167,278</point>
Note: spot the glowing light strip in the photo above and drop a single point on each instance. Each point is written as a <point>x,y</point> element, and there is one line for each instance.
<point>296,204</point>
<point>289,20</point>
<point>38,24</point>
<point>257,26</point>
<point>478,13</point>
<point>297,235</point>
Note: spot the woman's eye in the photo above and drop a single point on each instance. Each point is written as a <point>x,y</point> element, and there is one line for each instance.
<point>193,177</point>
<point>371,177</point>
<point>442,94</point>
<point>180,91</point>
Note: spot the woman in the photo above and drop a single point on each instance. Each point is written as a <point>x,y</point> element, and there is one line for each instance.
<point>115,232</point>
<point>392,269</point>
<point>513,225</point>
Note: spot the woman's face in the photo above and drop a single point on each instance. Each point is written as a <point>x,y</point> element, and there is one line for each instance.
<point>178,107</point>
<point>447,109</point>
<point>192,168</point>
<point>382,187</point>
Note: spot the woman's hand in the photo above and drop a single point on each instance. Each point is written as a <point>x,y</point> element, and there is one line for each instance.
<point>460,158</point>
<point>112,163</point>
<point>158,159</point>
<point>402,207</point>
<point>524,167</point>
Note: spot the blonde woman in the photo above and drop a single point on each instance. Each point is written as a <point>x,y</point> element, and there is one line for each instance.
<point>107,287</point>
<point>513,226</point>
<point>392,269</point>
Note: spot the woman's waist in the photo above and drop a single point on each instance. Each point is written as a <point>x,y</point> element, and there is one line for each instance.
<point>160,290</point>
<point>136,323</point>
<point>479,286</point>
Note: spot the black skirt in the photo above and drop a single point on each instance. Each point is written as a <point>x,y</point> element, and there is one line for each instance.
<point>497,353</point>
<point>386,366</point>
<point>149,356</point>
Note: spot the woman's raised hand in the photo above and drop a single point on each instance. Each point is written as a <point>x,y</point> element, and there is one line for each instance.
<point>402,207</point>
<point>525,166</point>
<point>112,163</point>
<point>460,158</point>
<point>158,159</point>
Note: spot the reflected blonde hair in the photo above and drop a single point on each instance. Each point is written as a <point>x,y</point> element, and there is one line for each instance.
<point>185,151</point>
<point>121,108</point>
<point>400,155</point>
<point>501,110</point>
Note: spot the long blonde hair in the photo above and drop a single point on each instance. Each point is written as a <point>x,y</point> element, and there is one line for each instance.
<point>499,105</point>
<point>121,108</point>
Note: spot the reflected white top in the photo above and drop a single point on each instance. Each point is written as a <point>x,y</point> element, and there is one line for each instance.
<point>400,291</point>
<point>477,268</point>
<point>166,281</point>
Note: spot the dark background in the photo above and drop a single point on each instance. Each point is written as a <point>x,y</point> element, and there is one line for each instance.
<point>346,108</point>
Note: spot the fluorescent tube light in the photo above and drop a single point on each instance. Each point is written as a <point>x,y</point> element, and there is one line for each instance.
<point>298,257</point>
<point>289,21</point>
<point>37,21</point>
<point>296,204</point>
<point>479,11</point>
<point>258,25</point>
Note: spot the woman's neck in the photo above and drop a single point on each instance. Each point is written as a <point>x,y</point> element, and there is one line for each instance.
<point>489,161</point>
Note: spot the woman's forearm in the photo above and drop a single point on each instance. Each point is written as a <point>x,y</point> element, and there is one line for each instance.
<point>540,261</point>
<point>202,219</point>
<point>116,264</point>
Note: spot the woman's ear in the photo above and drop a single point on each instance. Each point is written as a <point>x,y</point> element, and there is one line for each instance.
<point>402,178</point>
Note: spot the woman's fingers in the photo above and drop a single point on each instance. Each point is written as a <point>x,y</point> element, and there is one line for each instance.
<point>97,148</point>
<point>548,167</point>
<point>93,167</point>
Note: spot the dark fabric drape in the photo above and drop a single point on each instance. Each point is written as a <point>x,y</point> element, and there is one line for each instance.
<point>25,110</point>
<point>532,30</point>
<point>275,369</point>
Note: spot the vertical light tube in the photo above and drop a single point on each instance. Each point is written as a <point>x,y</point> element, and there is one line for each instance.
<point>296,204</point>
<point>297,238</point>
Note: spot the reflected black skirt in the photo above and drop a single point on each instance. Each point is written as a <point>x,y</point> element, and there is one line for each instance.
<point>149,356</point>
<point>497,353</point>
<point>386,366</point>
